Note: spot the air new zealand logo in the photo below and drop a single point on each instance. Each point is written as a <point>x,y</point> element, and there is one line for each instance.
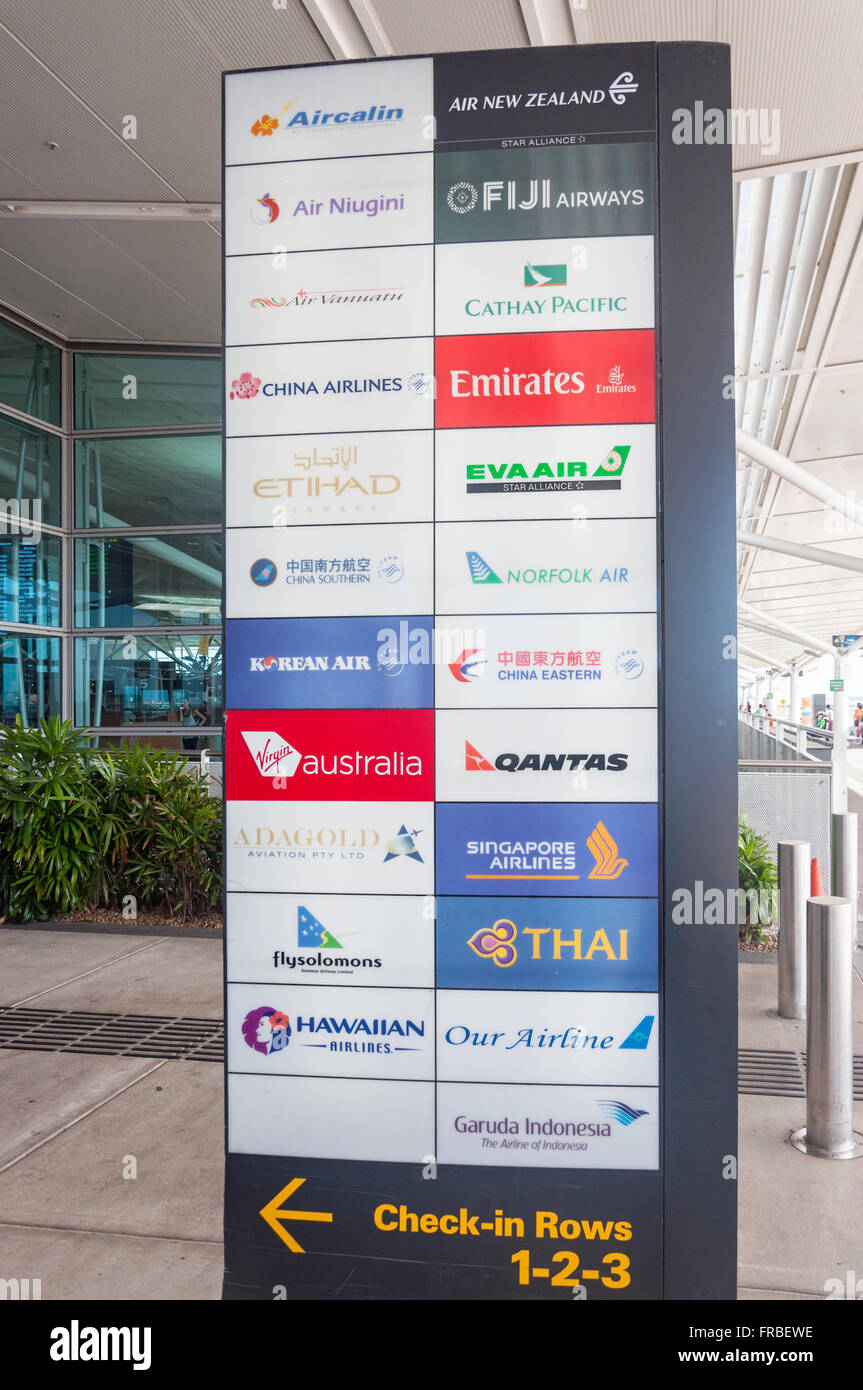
<point>564,475</point>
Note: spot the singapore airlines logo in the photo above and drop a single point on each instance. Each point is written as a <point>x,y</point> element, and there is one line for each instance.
<point>273,755</point>
<point>603,847</point>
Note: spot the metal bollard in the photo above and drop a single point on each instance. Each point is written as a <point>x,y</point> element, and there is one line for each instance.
<point>793,858</point>
<point>829,1131</point>
<point>843,862</point>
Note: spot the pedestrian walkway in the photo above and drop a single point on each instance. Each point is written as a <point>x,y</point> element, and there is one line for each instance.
<point>76,1121</point>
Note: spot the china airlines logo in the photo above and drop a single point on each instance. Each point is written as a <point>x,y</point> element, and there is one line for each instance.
<point>245,387</point>
<point>273,755</point>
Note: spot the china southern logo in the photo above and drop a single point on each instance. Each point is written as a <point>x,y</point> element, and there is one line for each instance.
<point>468,665</point>
<point>621,1112</point>
<point>602,845</point>
<point>404,843</point>
<point>311,932</point>
<point>544,274</point>
<point>262,572</point>
<point>273,755</point>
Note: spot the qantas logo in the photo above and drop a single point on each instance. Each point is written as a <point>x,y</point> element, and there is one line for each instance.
<point>544,762</point>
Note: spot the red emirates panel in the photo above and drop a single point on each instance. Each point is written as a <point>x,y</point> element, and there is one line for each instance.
<point>330,755</point>
<point>607,377</point>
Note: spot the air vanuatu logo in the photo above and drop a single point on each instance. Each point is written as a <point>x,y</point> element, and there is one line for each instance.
<point>475,761</point>
<point>562,475</point>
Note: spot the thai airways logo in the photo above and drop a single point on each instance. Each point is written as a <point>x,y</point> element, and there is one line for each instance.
<point>496,943</point>
<point>544,762</point>
<point>264,210</point>
<point>311,932</point>
<point>273,755</point>
<point>468,666</point>
<point>619,1111</point>
<point>266,1030</point>
<point>480,571</point>
<point>562,475</point>
<point>629,664</point>
<point>403,844</point>
<point>607,863</point>
<point>245,387</point>
<point>320,119</point>
<point>539,275</point>
<point>262,572</point>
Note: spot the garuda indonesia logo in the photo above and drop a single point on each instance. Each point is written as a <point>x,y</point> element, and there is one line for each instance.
<point>621,1112</point>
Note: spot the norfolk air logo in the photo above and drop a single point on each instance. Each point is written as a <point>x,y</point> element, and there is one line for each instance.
<point>481,572</point>
<point>311,932</point>
<point>562,475</point>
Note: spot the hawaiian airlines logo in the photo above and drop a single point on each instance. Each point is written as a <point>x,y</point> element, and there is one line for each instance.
<point>468,665</point>
<point>273,755</point>
<point>602,845</point>
<point>622,87</point>
<point>540,275</point>
<point>403,844</point>
<point>496,943</point>
<point>266,1030</point>
<point>311,932</point>
<point>264,210</point>
<point>618,1110</point>
<point>245,387</point>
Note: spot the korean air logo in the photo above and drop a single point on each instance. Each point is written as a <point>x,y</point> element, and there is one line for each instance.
<point>263,573</point>
<point>273,755</point>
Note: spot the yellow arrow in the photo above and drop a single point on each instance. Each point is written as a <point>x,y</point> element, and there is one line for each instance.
<point>273,1211</point>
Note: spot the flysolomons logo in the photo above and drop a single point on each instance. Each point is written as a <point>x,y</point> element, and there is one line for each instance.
<point>475,761</point>
<point>563,475</point>
<point>481,572</point>
<point>319,119</point>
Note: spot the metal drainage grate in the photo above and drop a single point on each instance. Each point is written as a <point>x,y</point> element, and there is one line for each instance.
<point>766,1073</point>
<point>113,1035</point>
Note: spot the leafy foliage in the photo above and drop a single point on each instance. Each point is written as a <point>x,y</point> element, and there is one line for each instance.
<point>81,830</point>
<point>756,873</point>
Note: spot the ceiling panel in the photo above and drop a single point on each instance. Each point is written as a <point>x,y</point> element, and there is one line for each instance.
<point>844,474</point>
<point>42,300</point>
<point>833,423</point>
<point>445,26</point>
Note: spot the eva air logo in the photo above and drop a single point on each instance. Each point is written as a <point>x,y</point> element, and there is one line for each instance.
<point>538,275</point>
<point>480,572</point>
<point>311,932</point>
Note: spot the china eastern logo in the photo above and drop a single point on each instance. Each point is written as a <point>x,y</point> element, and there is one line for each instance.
<point>290,119</point>
<point>560,475</point>
<point>481,572</point>
<point>499,944</point>
<point>544,762</point>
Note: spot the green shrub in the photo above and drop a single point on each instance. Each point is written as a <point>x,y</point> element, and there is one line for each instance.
<point>756,873</point>
<point>80,830</point>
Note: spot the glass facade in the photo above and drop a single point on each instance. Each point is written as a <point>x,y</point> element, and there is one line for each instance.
<point>110,541</point>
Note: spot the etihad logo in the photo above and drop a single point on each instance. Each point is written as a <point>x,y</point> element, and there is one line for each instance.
<point>303,298</point>
<point>403,844</point>
<point>607,863</point>
<point>272,754</point>
<point>320,119</point>
<point>526,195</point>
<point>310,663</point>
<point>544,762</point>
<point>347,206</point>
<point>275,757</point>
<point>468,666</point>
<point>481,572</point>
<point>264,210</point>
<point>499,944</point>
<point>562,476</point>
<point>325,475</point>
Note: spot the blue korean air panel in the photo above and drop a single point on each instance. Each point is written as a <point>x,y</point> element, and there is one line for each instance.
<point>330,663</point>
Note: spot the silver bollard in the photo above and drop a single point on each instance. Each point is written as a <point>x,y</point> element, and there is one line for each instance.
<point>843,861</point>
<point>829,1131</point>
<point>794,859</point>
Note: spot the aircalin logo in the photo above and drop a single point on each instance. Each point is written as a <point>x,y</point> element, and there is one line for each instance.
<point>303,119</point>
<point>570,475</point>
<point>544,762</point>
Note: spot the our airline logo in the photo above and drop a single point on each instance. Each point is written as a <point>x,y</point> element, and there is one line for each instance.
<point>574,1037</point>
<point>264,210</point>
<point>560,475</point>
<point>545,762</point>
<point>551,378</point>
<point>481,572</point>
<point>292,117</point>
<point>375,755</point>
